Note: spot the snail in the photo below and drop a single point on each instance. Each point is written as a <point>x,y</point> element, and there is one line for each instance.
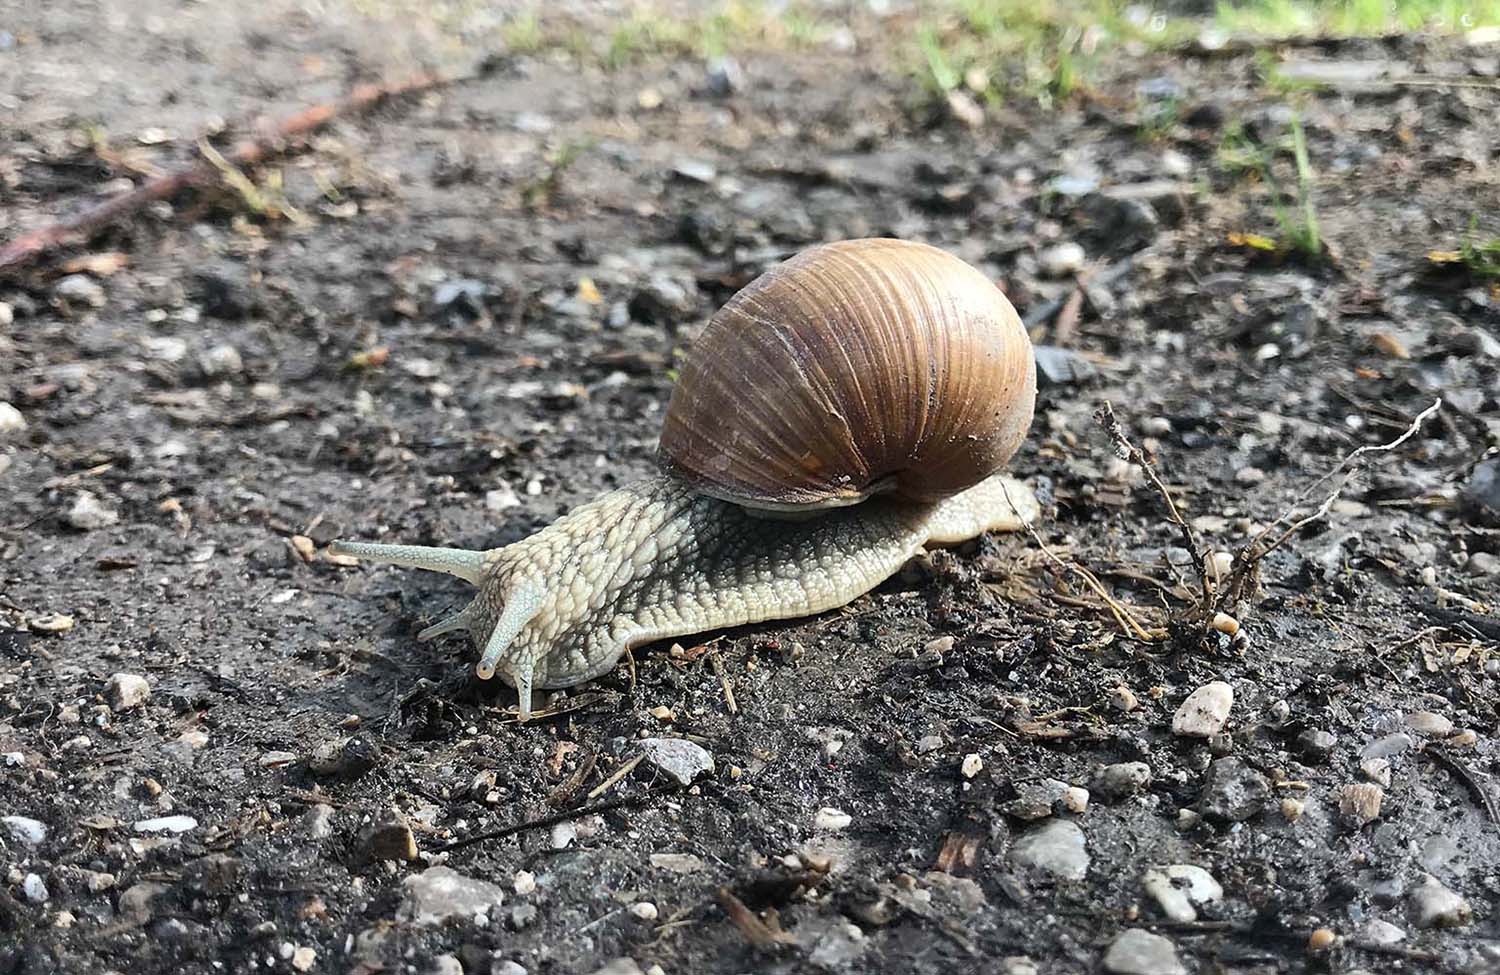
<point>840,412</point>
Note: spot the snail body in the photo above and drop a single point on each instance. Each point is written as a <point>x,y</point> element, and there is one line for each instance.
<point>841,412</point>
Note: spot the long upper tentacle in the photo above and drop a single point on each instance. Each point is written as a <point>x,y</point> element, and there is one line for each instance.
<point>465,563</point>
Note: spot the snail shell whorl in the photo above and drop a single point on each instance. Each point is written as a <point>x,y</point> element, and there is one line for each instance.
<point>853,368</point>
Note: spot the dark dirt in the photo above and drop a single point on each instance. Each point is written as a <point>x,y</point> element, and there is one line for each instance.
<point>209,401</point>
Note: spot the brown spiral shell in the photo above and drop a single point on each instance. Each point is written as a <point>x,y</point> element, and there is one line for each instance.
<point>853,368</point>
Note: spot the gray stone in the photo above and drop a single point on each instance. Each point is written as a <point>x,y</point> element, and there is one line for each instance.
<point>1435,906</point>
<point>11,420</point>
<point>679,758</point>
<point>445,965</point>
<point>137,902</point>
<point>1481,496</point>
<point>1122,780</point>
<point>126,691</point>
<point>1316,744</point>
<point>1388,746</point>
<point>620,966</point>
<point>1139,952</point>
<point>439,893</point>
<point>1233,790</point>
<point>35,889</point>
<point>1428,723</point>
<point>26,831</point>
<point>1204,712</point>
<point>1062,367</point>
<point>1057,848</point>
<point>1181,888</point>
<point>80,289</point>
<point>1036,799</point>
<point>88,513</point>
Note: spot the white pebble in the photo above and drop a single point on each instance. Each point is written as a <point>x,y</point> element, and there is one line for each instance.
<point>89,513</point>
<point>1428,723</point>
<point>1205,711</point>
<point>11,420</point>
<point>645,910</point>
<point>126,691</point>
<point>524,882</point>
<point>1061,260</point>
<point>24,830</point>
<point>166,824</point>
<point>972,765</point>
<point>829,818</point>
<point>34,889</point>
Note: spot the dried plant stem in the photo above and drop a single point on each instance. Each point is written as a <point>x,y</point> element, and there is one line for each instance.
<point>1122,614</point>
<point>1248,558</point>
<point>1128,451</point>
<point>202,172</point>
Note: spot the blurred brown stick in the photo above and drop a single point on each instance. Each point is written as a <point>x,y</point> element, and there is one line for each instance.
<point>273,140</point>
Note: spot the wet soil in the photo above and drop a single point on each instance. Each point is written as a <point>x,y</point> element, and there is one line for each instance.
<point>472,329</point>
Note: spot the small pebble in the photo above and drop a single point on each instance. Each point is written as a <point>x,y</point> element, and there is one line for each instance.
<point>305,957</point>
<point>1292,809</point>
<point>26,831</point>
<point>1061,260</point>
<point>35,889</point>
<point>1435,906</point>
<point>1383,932</point>
<point>1122,698</point>
<point>681,760</point>
<point>1057,848</point>
<point>80,289</point>
<point>167,824</point>
<point>1075,799</point>
<point>1249,476</point>
<point>831,819</point>
<point>1139,952</point>
<point>126,691</point>
<point>11,420</point>
<point>1204,712</point>
<point>1179,889</point>
<point>1233,790</point>
<point>972,765</point>
<point>1226,624</point>
<point>390,838</point>
<point>644,910</point>
<point>1121,780</point>
<point>524,882</point>
<point>1377,770</point>
<point>1321,940</point>
<point>89,514</point>
<point>1428,723</point>
<point>51,623</point>
<point>1154,426</point>
<point>1316,744</point>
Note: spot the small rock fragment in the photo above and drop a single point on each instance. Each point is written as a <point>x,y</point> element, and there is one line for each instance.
<point>1359,802</point>
<point>167,824</point>
<point>831,819</point>
<point>1204,712</point>
<point>305,957</point>
<point>644,910</point>
<point>1062,259</point>
<point>972,765</point>
<point>439,893</point>
<point>1430,724</point>
<point>1233,790</point>
<point>1292,809</point>
<point>221,360</point>
<point>1122,698</point>
<point>11,420</point>
<point>1122,780</point>
<point>51,623</point>
<point>1388,746</point>
<point>1383,932</point>
<point>390,838</point>
<point>1316,744</point>
<point>135,904</point>
<point>126,691</point>
<point>26,831</point>
<point>1139,952</point>
<point>80,289</point>
<point>678,758</point>
<point>35,889</point>
<point>1035,799</point>
<point>89,514</point>
<point>1435,906</point>
<point>1321,940</point>
<point>1180,888</point>
<point>677,862</point>
<point>1057,848</point>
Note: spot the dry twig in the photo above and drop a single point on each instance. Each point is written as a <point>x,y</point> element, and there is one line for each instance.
<point>204,172</point>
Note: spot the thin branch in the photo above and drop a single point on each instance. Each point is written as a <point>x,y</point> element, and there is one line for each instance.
<point>204,172</point>
<point>542,822</point>
<point>1253,552</point>
<point>1127,451</point>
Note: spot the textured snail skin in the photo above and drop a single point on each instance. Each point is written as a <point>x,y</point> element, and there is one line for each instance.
<point>656,560</point>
